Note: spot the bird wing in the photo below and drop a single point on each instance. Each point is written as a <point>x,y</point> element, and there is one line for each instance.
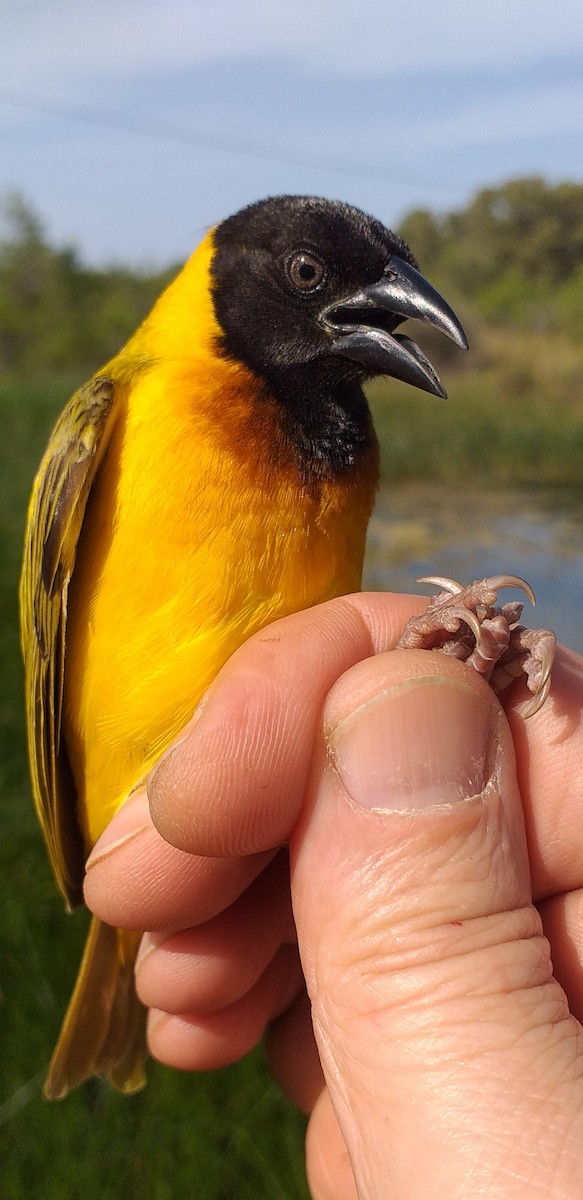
<point>57,508</point>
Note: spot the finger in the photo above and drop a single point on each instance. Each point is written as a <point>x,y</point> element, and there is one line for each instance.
<point>424,958</point>
<point>206,1041</point>
<point>292,1055</point>
<point>549,752</point>
<point>234,784</point>
<point>562,919</point>
<point>215,964</point>
<point>327,1161</point>
<point>139,881</point>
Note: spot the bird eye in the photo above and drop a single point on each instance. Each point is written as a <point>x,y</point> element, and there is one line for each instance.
<point>306,271</point>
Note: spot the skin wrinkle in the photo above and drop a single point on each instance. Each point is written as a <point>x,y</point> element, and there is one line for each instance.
<point>423,1040</point>
<point>385,629</point>
<point>429,971</point>
<point>439,944</point>
<point>413,847</point>
<point>523,963</point>
<point>426,1076</point>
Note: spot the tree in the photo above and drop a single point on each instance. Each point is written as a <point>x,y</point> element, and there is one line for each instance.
<point>55,313</point>
<point>512,250</point>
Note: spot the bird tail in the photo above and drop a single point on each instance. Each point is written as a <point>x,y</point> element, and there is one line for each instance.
<point>103,1032</point>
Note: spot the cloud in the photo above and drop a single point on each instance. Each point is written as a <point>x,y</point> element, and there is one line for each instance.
<point>390,105</point>
<point>44,45</point>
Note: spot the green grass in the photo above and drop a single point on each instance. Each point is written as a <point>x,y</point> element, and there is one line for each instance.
<point>228,1135</point>
<point>516,417</point>
<point>475,436</point>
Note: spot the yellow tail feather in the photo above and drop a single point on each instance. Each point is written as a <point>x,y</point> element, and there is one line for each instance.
<point>103,1032</point>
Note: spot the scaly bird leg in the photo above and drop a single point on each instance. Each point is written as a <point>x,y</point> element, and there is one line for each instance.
<point>468,623</point>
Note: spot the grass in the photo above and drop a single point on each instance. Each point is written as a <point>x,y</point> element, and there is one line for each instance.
<point>514,418</point>
<point>229,1135</point>
<point>475,435</point>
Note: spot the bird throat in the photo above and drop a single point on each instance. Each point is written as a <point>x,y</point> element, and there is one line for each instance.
<point>329,428</point>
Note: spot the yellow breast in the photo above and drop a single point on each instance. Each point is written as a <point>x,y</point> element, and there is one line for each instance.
<point>199,531</point>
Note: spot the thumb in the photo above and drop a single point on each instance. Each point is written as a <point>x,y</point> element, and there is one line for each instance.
<point>424,959</point>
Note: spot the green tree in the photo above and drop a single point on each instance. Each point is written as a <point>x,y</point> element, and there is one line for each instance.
<point>55,313</point>
<point>515,251</point>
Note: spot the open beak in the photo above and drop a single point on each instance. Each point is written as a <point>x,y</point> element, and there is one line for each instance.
<point>363,325</point>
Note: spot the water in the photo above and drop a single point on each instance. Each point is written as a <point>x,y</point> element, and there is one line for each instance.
<point>466,533</point>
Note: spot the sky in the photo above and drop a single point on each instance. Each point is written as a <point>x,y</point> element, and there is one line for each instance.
<point>130,126</point>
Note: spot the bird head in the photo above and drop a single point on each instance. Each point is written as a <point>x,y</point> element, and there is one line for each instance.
<point>309,286</point>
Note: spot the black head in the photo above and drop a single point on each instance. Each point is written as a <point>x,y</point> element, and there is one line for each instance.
<point>300,280</point>
<point>308,294</point>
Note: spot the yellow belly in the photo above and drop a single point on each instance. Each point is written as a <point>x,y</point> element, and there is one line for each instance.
<point>191,543</point>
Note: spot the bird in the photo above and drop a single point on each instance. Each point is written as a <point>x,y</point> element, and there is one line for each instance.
<point>216,474</point>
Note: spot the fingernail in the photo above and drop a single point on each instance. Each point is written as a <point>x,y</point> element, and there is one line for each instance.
<point>156,1018</point>
<point>149,942</point>
<point>131,819</point>
<point>182,736</point>
<point>419,743</point>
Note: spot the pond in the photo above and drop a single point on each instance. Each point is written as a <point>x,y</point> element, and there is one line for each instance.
<point>467,533</point>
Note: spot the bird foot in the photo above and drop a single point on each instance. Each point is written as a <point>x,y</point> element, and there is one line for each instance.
<point>468,623</point>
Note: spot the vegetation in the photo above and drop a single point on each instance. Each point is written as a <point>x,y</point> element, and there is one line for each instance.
<point>516,253</point>
<point>511,263</point>
<point>56,314</point>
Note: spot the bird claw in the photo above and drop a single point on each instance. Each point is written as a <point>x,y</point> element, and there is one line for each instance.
<point>489,587</point>
<point>492,641</point>
<point>531,651</point>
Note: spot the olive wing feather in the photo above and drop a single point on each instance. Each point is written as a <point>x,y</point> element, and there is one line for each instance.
<point>55,517</point>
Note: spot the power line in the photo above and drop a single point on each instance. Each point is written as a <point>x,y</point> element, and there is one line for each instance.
<point>217,144</point>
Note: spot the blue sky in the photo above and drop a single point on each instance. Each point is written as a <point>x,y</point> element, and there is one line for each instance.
<point>132,125</point>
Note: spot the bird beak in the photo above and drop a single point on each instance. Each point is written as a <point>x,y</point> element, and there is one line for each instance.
<point>362,326</point>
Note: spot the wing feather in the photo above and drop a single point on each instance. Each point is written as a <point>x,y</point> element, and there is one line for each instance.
<point>55,517</point>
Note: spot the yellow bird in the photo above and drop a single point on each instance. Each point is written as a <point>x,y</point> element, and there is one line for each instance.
<point>215,475</point>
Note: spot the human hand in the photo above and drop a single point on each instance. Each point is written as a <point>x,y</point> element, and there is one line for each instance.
<point>451,1064</point>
